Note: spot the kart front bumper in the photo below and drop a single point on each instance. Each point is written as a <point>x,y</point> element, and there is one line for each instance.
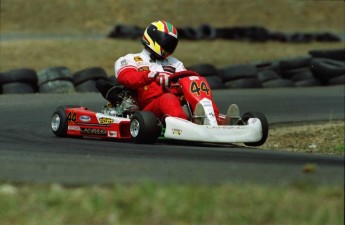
<point>180,129</point>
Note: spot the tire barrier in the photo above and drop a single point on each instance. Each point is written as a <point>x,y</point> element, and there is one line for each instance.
<point>85,80</point>
<point>55,80</point>
<point>245,33</point>
<point>318,68</point>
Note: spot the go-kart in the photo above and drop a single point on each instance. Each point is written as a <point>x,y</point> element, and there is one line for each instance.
<point>122,119</point>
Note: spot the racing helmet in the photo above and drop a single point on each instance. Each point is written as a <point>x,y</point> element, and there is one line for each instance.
<point>161,37</point>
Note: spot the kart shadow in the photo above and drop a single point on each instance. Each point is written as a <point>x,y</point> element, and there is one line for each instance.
<point>200,144</point>
<point>173,143</point>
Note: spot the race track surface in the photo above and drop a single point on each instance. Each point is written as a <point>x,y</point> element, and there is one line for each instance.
<point>29,152</point>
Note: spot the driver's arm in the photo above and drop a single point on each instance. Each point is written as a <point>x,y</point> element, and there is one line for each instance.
<point>132,78</point>
<point>130,75</point>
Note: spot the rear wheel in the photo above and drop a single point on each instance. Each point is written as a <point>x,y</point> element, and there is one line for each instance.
<point>144,127</point>
<point>264,126</point>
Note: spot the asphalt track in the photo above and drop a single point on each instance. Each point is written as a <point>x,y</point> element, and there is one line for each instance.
<point>29,152</point>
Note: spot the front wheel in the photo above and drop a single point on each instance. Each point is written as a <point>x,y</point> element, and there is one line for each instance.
<point>144,127</point>
<point>264,126</point>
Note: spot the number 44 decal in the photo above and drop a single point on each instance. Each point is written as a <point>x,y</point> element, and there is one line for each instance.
<point>195,88</point>
<point>71,117</point>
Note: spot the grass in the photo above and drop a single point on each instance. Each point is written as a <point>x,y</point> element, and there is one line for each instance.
<point>321,137</point>
<point>147,203</point>
<point>152,204</point>
<point>91,16</point>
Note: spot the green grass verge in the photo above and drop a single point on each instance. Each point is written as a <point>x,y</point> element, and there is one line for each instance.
<point>97,17</point>
<point>316,137</point>
<point>153,204</point>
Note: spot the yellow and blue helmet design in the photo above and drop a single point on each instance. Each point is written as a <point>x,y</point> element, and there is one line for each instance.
<point>161,37</point>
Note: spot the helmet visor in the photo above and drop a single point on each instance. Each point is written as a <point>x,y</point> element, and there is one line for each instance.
<point>169,43</point>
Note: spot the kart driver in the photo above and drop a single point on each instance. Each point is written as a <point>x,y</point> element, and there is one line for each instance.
<point>149,70</point>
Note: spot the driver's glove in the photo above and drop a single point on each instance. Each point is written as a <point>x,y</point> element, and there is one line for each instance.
<point>162,79</point>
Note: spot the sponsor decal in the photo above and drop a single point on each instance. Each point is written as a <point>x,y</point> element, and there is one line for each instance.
<point>105,120</point>
<point>176,131</point>
<point>143,68</point>
<point>112,134</point>
<point>169,69</point>
<point>235,128</point>
<point>124,62</point>
<point>93,131</point>
<point>193,78</point>
<point>138,59</point>
<point>76,128</point>
<point>85,118</point>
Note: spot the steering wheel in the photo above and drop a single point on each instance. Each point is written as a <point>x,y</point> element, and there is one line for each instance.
<point>176,76</point>
<point>187,73</point>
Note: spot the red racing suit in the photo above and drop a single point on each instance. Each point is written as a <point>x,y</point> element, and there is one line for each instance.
<point>133,70</point>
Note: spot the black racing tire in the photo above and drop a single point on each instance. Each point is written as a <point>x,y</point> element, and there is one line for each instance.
<point>312,82</point>
<point>340,80</point>
<point>57,86</point>
<point>189,33</point>
<point>125,31</point>
<point>19,75</point>
<point>214,82</point>
<point>326,69</point>
<point>87,86</point>
<point>335,54</point>
<point>267,65</point>
<point>18,88</point>
<point>288,74</point>
<point>302,75</point>
<point>244,83</point>
<point>144,127</point>
<point>267,75</point>
<point>238,72</point>
<point>294,63</point>
<point>264,126</point>
<point>93,73</point>
<point>204,70</point>
<point>276,83</point>
<point>207,31</point>
<point>53,74</point>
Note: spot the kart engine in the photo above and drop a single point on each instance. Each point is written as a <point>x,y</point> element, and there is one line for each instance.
<point>124,105</point>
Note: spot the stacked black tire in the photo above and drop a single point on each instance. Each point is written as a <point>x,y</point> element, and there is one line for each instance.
<point>318,68</point>
<point>18,81</point>
<point>85,80</point>
<point>57,79</point>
